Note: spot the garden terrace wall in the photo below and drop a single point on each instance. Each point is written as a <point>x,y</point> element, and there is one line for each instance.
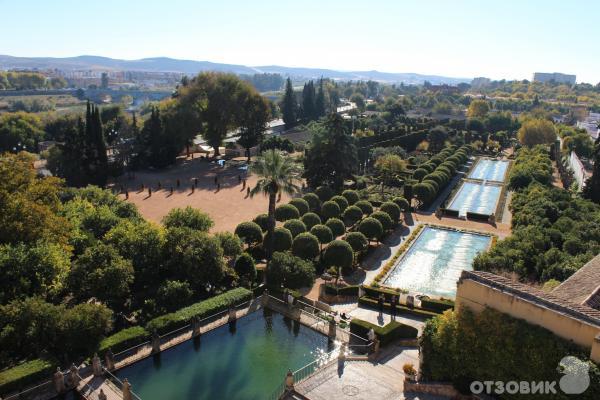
<point>400,309</point>
<point>387,333</point>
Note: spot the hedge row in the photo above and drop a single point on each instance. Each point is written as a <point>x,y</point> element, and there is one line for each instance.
<point>367,301</point>
<point>124,339</point>
<point>437,306</point>
<point>386,334</point>
<point>341,291</point>
<point>182,317</point>
<point>27,373</point>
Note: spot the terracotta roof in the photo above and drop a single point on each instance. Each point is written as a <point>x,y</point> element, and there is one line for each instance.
<point>582,284</point>
<point>531,294</point>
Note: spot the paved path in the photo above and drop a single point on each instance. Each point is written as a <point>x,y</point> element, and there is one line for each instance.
<point>90,387</point>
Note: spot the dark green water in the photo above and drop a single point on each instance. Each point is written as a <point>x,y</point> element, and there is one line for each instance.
<point>245,362</point>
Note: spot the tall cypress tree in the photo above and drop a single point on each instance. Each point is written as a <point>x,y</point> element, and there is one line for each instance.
<point>320,101</point>
<point>592,185</point>
<point>289,106</point>
<point>308,101</point>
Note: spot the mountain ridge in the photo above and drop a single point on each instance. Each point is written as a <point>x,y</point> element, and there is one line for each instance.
<point>167,64</point>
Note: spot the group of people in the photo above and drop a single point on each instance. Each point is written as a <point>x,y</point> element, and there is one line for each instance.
<point>393,304</point>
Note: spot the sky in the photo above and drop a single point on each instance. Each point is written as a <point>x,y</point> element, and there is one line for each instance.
<point>501,39</point>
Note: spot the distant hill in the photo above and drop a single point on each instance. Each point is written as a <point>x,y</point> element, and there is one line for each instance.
<point>165,64</point>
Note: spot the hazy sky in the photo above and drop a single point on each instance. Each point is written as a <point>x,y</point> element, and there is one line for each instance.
<point>461,38</point>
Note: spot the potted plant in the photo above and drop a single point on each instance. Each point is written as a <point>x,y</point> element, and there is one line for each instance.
<point>410,372</point>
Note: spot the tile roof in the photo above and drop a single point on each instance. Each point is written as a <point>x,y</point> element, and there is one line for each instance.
<point>582,284</point>
<point>536,296</point>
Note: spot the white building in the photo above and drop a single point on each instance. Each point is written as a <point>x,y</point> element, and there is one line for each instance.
<point>590,124</point>
<point>554,76</point>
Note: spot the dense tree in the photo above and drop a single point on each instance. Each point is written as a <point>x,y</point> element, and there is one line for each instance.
<point>245,268</point>
<point>365,206</point>
<point>249,232</point>
<point>309,107</point>
<point>352,215</point>
<point>351,196</point>
<point>339,254</point>
<point>310,219</point>
<point>282,239</point>
<point>371,228</point>
<point>230,243</point>
<point>20,131</point>
<point>263,221</point>
<point>330,209</point>
<point>389,168</point>
<point>289,105</point>
<point>314,203</point>
<point>331,157</point>
<point>537,131</point>
<point>188,217</point>
<point>392,210</point>
<point>478,109</point>
<point>101,273</point>
<point>301,205</point>
<point>173,295</point>
<point>592,185</point>
<point>323,233</point>
<point>290,271</point>
<point>337,226</point>
<point>357,241</point>
<point>295,226</point>
<point>95,162</point>
<point>276,174</point>
<point>285,212</point>
<point>254,118</point>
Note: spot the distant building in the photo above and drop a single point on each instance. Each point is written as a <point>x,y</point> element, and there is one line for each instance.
<point>590,124</point>
<point>480,82</point>
<point>557,77</point>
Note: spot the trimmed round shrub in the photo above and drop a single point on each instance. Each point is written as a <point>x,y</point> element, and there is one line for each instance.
<point>338,254</point>
<point>301,205</point>
<point>306,246</point>
<point>292,271</point>
<point>249,232</point>
<point>324,193</point>
<point>392,210</point>
<point>337,226</point>
<point>244,266</point>
<point>445,170</point>
<point>310,219</point>
<point>282,239</point>
<point>419,173</point>
<point>330,209</point>
<point>351,196</point>
<point>323,233</point>
<point>341,202</point>
<point>314,203</point>
<point>384,218</point>
<point>295,226</point>
<point>429,167</point>
<point>424,192</point>
<point>285,212</point>
<point>371,228</point>
<point>433,184</point>
<point>263,221</point>
<point>437,178</point>
<point>188,217</point>
<point>365,206</point>
<point>402,203</point>
<point>357,241</point>
<point>352,215</point>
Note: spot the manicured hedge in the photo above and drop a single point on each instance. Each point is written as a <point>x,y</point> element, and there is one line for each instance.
<point>25,374</point>
<point>367,301</point>
<point>341,291</point>
<point>124,339</point>
<point>386,334</point>
<point>438,306</point>
<point>182,317</point>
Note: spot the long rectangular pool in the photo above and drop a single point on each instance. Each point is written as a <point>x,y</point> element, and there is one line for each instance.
<point>247,362</point>
<point>476,198</point>
<point>435,260</point>
<point>489,170</point>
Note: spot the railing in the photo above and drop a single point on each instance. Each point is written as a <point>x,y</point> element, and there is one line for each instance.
<point>118,384</point>
<point>32,392</point>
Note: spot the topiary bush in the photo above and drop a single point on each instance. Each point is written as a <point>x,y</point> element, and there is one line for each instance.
<point>244,266</point>
<point>337,226</point>
<point>330,209</point>
<point>357,241</point>
<point>290,271</point>
<point>314,203</point>
<point>341,202</point>
<point>295,226</point>
<point>323,233</point>
<point>384,219</point>
<point>352,215</point>
<point>365,206</point>
<point>339,254</point>
<point>419,173</point>
<point>249,232</point>
<point>285,212</point>
<point>351,196</point>
<point>371,228</point>
<point>392,210</point>
<point>386,334</point>
<point>301,205</point>
<point>263,221</point>
<point>282,239</point>
<point>402,203</point>
<point>310,219</point>
<point>324,193</point>
<point>306,246</point>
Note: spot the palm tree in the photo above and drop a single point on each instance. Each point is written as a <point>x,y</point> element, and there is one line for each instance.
<point>276,174</point>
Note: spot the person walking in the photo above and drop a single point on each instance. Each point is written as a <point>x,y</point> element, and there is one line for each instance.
<point>193,187</point>
<point>171,194</point>
<point>393,305</point>
<point>196,182</point>
<point>178,182</point>
<point>248,191</point>
<point>149,191</point>
<point>380,302</point>
<point>127,195</point>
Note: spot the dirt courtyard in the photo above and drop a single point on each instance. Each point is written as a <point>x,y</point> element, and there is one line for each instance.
<point>227,207</point>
